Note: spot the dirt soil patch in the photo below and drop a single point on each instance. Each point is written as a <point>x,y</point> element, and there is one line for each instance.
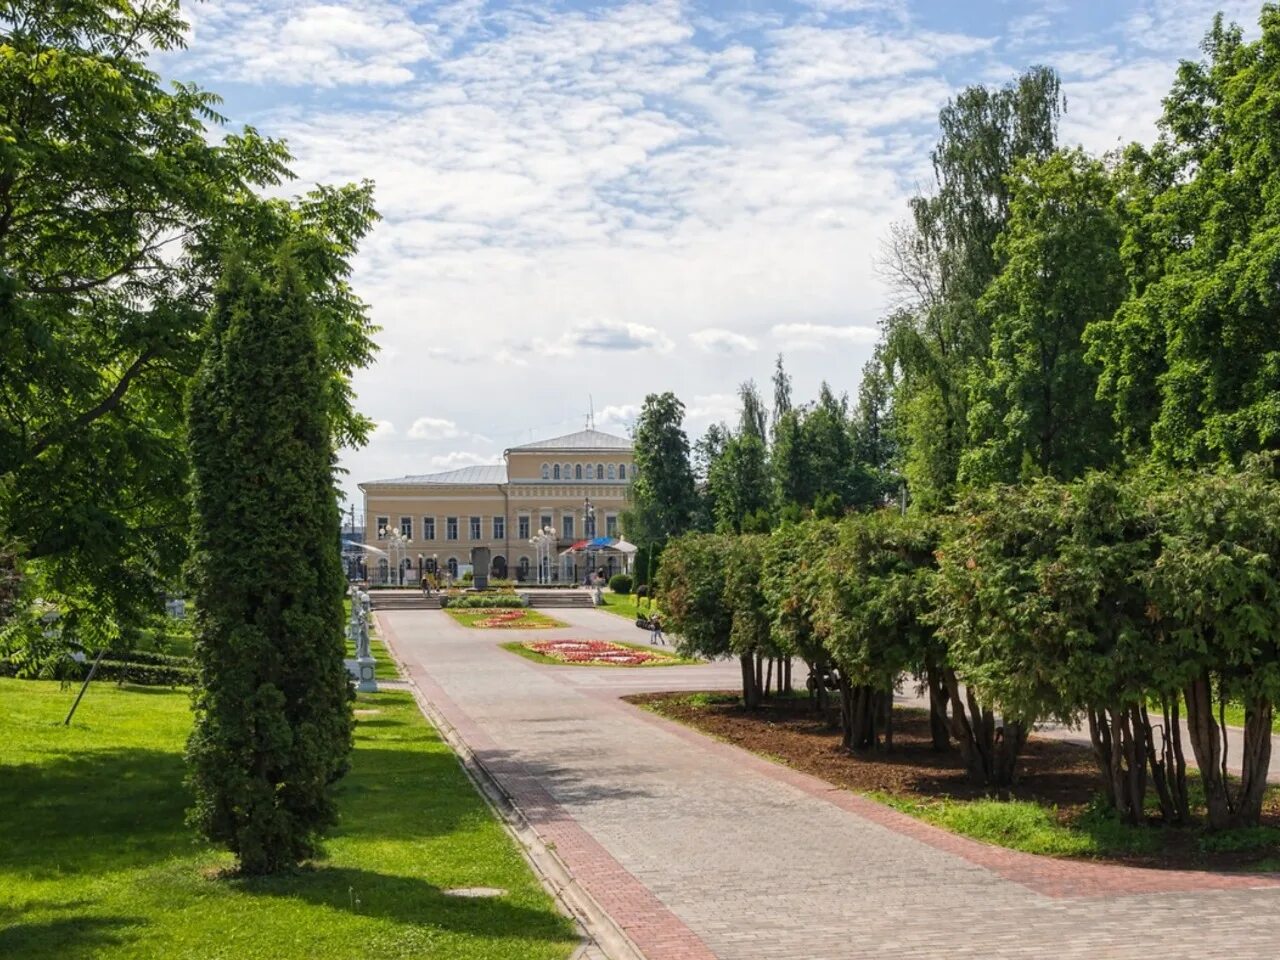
<point>1054,774</point>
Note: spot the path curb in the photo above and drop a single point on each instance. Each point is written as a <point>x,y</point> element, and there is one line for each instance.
<point>600,929</point>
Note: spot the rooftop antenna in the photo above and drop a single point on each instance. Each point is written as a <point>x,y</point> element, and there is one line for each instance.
<point>591,415</point>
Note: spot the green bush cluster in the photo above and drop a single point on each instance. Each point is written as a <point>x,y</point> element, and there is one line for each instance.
<point>484,601</point>
<point>1082,601</point>
<point>620,583</point>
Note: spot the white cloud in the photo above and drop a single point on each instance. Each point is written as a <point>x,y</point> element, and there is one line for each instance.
<point>607,335</point>
<point>618,418</point>
<point>709,408</point>
<point>816,336</point>
<point>434,428</point>
<point>715,340</point>
<point>382,429</point>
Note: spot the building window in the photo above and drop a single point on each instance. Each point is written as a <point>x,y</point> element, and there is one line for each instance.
<point>384,570</point>
<point>577,472</point>
<point>522,527</point>
<point>428,528</point>
<point>568,471</point>
<point>406,527</point>
<point>546,522</point>
<point>451,528</point>
<point>499,528</point>
<point>613,472</point>
<point>556,472</point>
<point>453,568</point>
<point>611,525</point>
<point>524,568</point>
<point>383,524</point>
<point>475,528</point>
<point>567,522</point>
<point>622,471</point>
<point>599,471</point>
<point>546,472</point>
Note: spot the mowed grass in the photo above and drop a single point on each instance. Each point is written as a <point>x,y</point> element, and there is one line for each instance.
<point>627,605</point>
<point>95,860</point>
<point>530,619</point>
<point>384,668</point>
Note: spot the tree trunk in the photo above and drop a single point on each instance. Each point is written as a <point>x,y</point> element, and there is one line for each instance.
<point>887,714</point>
<point>1255,762</point>
<point>937,708</point>
<point>1207,742</point>
<point>990,755</point>
<point>768,678</point>
<point>750,692</point>
<point>1100,736</point>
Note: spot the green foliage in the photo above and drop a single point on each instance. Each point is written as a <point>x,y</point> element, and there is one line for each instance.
<point>691,579</point>
<point>793,560</point>
<point>738,484</point>
<point>483,602</point>
<point>1032,410</point>
<point>620,583</point>
<point>273,720</point>
<point>662,490</point>
<point>115,207</point>
<point>872,597</point>
<point>943,261</point>
<point>1204,243</point>
<point>744,565</point>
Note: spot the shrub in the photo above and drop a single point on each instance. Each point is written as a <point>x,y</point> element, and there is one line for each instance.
<point>484,601</point>
<point>620,583</point>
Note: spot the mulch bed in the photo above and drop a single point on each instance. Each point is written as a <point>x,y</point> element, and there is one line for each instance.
<point>1051,772</point>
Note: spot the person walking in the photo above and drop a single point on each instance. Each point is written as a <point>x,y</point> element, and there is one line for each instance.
<point>655,625</point>
<point>426,584</point>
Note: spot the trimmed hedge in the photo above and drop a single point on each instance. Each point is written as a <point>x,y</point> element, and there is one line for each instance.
<point>620,583</point>
<point>482,602</point>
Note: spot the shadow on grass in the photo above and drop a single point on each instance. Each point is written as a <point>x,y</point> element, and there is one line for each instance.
<point>98,811</point>
<point>62,937</point>
<point>409,900</point>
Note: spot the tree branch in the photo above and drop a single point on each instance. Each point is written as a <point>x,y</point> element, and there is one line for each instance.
<point>99,409</point>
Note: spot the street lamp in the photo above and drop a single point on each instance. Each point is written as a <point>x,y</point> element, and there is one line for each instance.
<point>397,549</point>
<point>589,528</point>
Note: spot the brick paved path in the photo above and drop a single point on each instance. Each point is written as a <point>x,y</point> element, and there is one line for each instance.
<point>700,850</point>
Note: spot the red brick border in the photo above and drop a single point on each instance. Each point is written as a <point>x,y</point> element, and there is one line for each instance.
<point>1048,876</point>
<point>655,930</point>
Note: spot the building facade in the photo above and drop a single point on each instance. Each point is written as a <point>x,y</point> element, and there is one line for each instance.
<point>574,485</point>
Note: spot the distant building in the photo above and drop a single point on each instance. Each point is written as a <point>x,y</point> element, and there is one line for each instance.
<point>547,484</point>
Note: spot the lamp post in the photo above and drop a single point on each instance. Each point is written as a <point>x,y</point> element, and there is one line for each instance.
<point>543,543</point>
<point>589,528</point>
<point>397,549</point>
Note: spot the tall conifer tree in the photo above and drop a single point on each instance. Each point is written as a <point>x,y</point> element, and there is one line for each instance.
<point>273,717</point>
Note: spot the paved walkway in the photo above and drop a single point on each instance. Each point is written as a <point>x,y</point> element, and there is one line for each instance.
<point>700,850</point>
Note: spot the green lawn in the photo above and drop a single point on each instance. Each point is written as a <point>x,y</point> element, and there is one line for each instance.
<point>385,668</point>
<point>532,619</point>
<point>1233,714</point>
<point>95,860</point>
<point>626,604</point>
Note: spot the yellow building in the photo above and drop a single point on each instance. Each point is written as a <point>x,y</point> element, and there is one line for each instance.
<point>574,485</point>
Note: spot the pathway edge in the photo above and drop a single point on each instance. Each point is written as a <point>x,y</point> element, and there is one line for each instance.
<point>599,928</point>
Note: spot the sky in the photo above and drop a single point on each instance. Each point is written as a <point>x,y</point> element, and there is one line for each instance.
<point>586,202</point>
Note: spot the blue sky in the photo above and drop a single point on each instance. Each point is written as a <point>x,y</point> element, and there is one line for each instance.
<point>585,202</point>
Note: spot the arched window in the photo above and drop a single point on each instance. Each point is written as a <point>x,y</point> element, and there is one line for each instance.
<point>546,472</point>
<point>599,471</point>
<point>384,570</point>
<point>613,472</point>
<point>453,567</point>
<point>524,568</point>
<point>556,471</point>
<point>568,471</point>
<point>577,472</point>
<point>622,471</point>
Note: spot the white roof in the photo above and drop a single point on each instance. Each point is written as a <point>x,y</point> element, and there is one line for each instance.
<point>465,476</point>
<point>582,440</point>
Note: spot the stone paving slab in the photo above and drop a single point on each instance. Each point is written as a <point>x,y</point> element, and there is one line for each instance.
<point>698,849</point>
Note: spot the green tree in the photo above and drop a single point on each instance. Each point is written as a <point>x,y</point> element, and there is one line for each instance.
<point>873,432</point>
<point>115,205</point>
<point>273,719</point>
<point>1033,408</point>
<point>1200,320</point>
<point>663,498</point>
<point>790,463</point>
<point>706,451</point>
<point>943,261</point>
<point>1215,594</point>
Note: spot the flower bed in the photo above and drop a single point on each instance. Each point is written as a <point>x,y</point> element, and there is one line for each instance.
<point>507,620</point>
<point>595,652</point>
